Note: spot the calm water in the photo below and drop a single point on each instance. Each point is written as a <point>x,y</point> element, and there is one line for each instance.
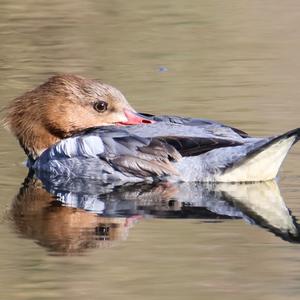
<point>233,61</point>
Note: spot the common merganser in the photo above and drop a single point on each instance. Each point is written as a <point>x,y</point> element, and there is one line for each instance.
<point>75,127</point>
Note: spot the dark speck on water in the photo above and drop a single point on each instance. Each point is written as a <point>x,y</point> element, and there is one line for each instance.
<point>163,69</point>
<point>236,62</point>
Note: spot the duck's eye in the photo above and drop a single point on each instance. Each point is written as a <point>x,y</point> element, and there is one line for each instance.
<point>100,106</point>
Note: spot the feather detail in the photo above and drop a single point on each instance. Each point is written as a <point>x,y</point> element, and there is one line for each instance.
<point>194,146</point>
<point>143,168</point>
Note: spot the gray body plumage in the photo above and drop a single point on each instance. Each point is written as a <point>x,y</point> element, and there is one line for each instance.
<point>173,149</point>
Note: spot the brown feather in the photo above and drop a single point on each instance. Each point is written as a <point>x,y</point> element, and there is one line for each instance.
<point>143,168</point>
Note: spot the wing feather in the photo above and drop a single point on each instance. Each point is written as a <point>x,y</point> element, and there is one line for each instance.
<point>141,157</point>
<point>197,146</point>
<point>153,156</point>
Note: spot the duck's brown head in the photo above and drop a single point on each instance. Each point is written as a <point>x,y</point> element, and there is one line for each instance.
<point>64,105</point>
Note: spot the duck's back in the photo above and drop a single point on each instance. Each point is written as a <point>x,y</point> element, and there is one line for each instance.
<point>173,148</point>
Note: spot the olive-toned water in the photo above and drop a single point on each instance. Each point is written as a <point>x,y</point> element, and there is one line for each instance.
<point>233,61</point>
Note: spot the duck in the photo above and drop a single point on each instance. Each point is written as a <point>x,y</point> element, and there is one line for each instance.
<point>72,127</point>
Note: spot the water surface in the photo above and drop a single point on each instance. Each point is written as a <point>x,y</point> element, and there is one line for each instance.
<point>236,62</point>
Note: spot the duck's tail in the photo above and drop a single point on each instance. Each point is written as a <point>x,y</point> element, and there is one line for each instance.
<point>262,160</point>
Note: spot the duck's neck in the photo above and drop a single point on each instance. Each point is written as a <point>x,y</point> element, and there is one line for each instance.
<point>29,129</point>
<point>36,140</point>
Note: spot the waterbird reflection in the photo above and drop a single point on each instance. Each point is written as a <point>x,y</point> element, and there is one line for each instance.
<point>70,217</point>
<point>41,216</point>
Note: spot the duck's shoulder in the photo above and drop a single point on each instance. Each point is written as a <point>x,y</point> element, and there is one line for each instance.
<point>197,123</point>
<point>110,142</point>
<point>123,151</point>
<point>88,143</point>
